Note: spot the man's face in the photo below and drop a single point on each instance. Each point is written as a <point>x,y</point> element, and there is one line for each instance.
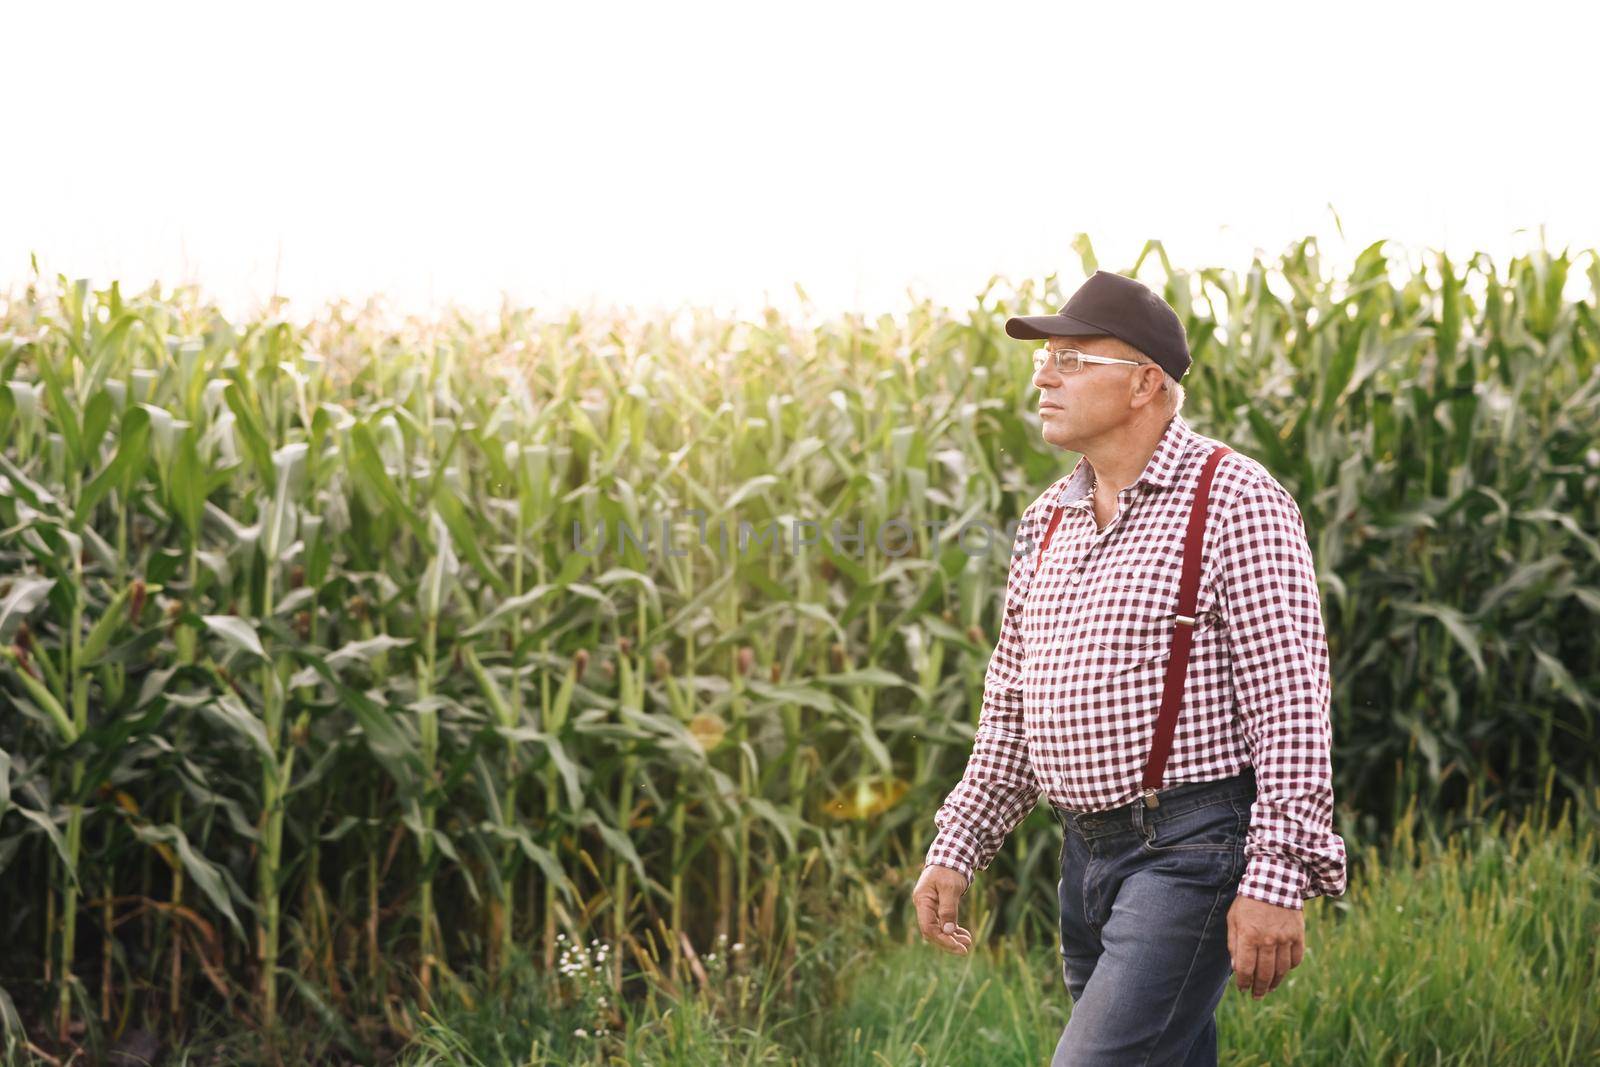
<point>1097,398</point>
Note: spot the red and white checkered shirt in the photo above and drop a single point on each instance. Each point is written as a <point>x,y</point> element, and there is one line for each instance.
<point>1073,689</point>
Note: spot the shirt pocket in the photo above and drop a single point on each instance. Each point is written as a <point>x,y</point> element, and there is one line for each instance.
<point>1129,616</point>
<point>1125,639</point>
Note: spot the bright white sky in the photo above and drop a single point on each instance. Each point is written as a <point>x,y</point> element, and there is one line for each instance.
<point>668,153</point>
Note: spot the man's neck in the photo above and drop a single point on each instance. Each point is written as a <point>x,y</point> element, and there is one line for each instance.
<point>1118,461</point>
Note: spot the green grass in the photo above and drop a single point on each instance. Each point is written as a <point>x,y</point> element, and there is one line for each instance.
<point>1475,948</point>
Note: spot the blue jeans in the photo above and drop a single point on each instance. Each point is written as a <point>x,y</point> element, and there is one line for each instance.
<point>1144,898</point>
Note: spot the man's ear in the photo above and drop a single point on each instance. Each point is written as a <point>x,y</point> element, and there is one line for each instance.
<point>1139,379</point>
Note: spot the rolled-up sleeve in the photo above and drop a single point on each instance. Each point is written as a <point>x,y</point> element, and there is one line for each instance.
<point>998,788</point>
<point>1279,648</point>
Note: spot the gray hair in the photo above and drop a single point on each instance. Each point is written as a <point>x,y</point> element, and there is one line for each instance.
<point>1174,390</point>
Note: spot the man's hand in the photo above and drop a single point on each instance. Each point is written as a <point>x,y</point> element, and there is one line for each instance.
<point>936,895</point>
<point>1265,941</point>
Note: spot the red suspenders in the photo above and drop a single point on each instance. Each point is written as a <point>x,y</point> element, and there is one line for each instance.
<point>1183,629</point>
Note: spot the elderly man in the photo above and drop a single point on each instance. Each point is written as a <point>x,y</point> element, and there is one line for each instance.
<point>1165,574</point>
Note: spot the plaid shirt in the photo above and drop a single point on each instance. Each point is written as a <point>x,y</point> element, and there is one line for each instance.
<point>1073,688</point>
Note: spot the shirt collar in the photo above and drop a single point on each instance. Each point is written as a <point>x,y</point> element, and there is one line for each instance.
<point>1162,471</point>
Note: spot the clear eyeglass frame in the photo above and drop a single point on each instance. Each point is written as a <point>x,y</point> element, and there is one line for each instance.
<point>1071,360</point>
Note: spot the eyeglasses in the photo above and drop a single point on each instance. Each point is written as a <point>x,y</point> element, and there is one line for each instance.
<point>1069,360</point>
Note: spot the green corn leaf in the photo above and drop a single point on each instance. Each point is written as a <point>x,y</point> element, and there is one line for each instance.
<point>367,462</point>
<point>52,832</point>
<point>25,596</point>
<point>132,450</point>
<point>228,711</point>
<point>200,870</point>
<point>490,689</point>
<point>42,696</point>
<point>1458,626</point>
<point>238,634</point>
<point>252,429</point>
<point>463,533</point>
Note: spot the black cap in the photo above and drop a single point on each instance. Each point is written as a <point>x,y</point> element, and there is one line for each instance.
<point>1112,304</point>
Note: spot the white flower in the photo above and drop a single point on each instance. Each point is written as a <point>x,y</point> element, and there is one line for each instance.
<point>580,1032</point>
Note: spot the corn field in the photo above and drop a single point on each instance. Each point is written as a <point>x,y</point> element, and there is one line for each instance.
<point>318,682</point>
